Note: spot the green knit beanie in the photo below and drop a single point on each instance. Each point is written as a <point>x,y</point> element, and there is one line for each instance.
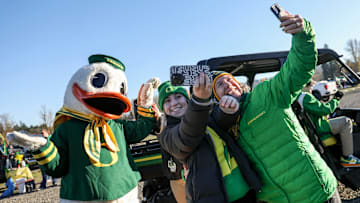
<point>166,89</point>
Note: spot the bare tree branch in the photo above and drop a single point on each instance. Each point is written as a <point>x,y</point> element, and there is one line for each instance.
<point>6,124</point>
<point>353,47</point>
<point>46,117</point>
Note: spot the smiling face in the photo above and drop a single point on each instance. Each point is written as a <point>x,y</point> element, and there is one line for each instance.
<point>98,89</point>
<point>227,85</point>
<point>175,105</point>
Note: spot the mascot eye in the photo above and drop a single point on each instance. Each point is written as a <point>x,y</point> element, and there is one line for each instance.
<point>122,88</point>
<point>98,80</point>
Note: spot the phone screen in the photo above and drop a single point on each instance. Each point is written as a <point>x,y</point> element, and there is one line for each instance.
<point>185,75</point>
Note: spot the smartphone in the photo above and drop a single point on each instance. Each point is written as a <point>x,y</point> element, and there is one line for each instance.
<point>185,75</point>
<point>277,10</point>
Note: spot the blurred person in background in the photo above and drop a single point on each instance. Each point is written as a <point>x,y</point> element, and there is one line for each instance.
<point>326,128</point>
<point>45,177</point>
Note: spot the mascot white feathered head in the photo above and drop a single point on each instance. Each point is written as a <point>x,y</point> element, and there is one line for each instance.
<point>99,88</point>
<point>96,93</point>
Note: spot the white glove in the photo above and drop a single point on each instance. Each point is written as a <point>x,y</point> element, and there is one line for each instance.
<point>27,141</point>
<point>146,93</point>
<point>229,104</point>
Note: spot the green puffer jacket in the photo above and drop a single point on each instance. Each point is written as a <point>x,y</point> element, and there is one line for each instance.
<point>291,169</point>
<point>318,111</point>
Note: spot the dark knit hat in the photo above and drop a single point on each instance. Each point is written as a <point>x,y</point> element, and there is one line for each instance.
<point>166,89</point>
<point>215,76</point>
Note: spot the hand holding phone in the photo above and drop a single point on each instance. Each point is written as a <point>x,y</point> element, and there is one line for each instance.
<point>277,10</point>
<point>202,87</point>
<point>185,75</point>
<point>291,24</point>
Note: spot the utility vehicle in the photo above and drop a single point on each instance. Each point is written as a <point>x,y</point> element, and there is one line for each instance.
<point>250,69</point>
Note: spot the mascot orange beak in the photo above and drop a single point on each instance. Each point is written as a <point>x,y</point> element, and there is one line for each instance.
<point>106,104</point>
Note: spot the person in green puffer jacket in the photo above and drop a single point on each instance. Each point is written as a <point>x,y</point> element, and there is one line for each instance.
<point>325,128</point>
<point>290,168</point>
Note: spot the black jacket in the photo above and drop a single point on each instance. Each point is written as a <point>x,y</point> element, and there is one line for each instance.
<point>171,166</point>
<point>187,141</point>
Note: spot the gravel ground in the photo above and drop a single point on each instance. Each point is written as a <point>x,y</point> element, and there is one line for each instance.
<point>348,194</point>
<point>52,195</point>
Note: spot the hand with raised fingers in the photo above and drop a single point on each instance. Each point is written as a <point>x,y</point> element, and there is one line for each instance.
<point>291,24</point>
<point>229,104</point>
<point>146,92</point>
<point>202,86</point>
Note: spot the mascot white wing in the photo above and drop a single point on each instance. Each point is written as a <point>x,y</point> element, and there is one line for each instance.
<point>27,141</point>
<point>146,93</point>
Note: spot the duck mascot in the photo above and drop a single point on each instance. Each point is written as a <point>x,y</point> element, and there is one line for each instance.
<point>89,147</point>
